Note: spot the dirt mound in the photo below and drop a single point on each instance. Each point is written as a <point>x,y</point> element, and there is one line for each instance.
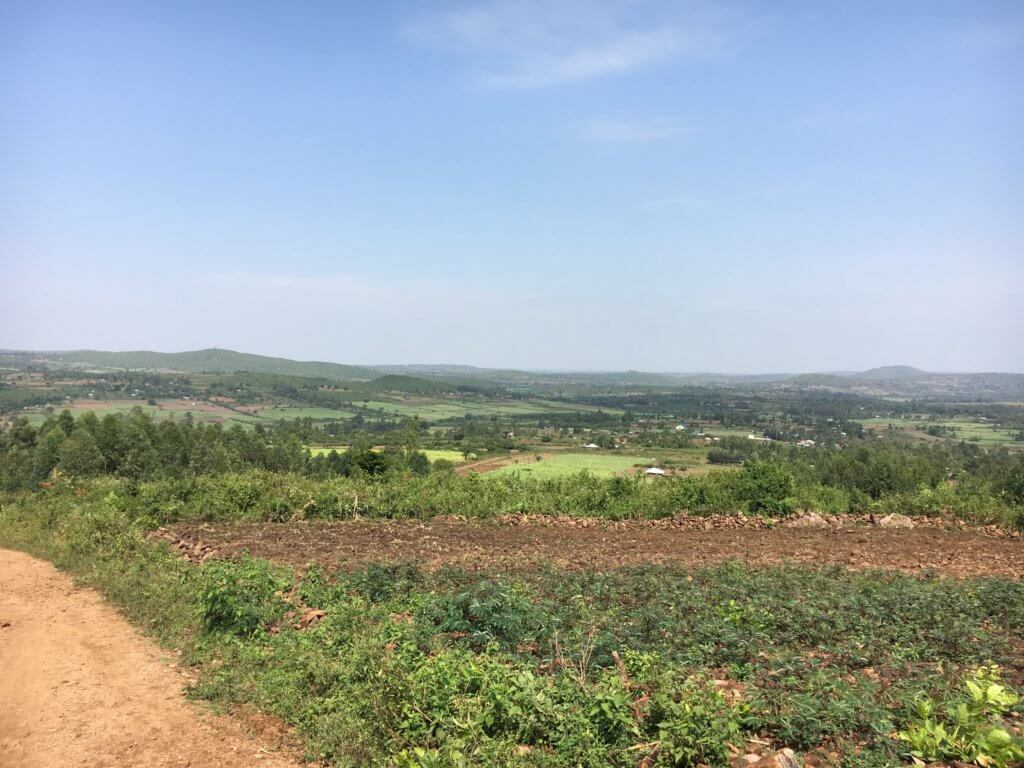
<point>79,687</point>
<point>522,543</point>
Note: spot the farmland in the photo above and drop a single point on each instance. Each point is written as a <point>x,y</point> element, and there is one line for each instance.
<point>984,432</point>
<point>465,618</point>
<point>230,413</point>
<point>417,572</point>
<point>558,465</point>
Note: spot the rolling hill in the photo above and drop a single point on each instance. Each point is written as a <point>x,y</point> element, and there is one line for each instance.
<point>891,373</point>
<point>205,360</point>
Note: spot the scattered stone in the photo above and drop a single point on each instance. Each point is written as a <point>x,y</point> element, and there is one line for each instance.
<point>809,520</point>
<point>895,520</point>
<point>310,617</point>
<point>784,758</point>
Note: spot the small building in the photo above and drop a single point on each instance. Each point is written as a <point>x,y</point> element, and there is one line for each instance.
<point>591,446</point>
<point>655,471</point>
<point>680,427</point>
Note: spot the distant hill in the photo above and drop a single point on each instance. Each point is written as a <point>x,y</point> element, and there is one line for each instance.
<point>208,360</point>
<point>823,379</point>
<point>891,373</point>
<point>394,382</point>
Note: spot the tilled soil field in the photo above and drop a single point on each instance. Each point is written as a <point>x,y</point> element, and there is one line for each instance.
<point>523,544</point>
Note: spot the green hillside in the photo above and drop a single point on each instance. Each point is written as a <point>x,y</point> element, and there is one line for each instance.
<point>212,360</point>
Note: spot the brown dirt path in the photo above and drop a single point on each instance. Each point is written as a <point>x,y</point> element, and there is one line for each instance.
<point>590,544</point>
<point>80,688</point>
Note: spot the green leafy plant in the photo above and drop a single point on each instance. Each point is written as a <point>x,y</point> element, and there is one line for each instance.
<point>239,598</point>
<point>488,612</point>
<point>970,728</point>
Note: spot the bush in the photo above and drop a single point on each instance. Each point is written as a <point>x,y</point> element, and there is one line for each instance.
<point>695,723</point>
<point>722,456</point>
<point>767,487</point>
<point>487,612</point>
<point>822,498</point>
<point>241,598</point>
<point>443,466</point>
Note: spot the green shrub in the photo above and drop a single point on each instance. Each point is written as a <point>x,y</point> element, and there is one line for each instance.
<point>239,598</point>
<point>487,612</point>
<point>695,724</point>
<point>766,487</point>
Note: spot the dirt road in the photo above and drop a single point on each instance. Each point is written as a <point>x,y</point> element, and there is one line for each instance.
<point>597,545</point>
<point>80,687</point>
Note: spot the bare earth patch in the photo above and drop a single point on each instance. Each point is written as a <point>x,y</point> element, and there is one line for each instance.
<point>591,544</point>
<point>80,688</point>
<point>195,406</point>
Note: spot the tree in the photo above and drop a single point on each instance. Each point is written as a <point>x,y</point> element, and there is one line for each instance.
<point>66,421</point>
<point>1014,485</point>
<point>418,463</point>
<point>140,458</point>
<point>47,452</point>
<point>411,434</point>
<point>80,455</point>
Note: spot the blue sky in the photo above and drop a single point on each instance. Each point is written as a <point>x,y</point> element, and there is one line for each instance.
<point>738,187</point>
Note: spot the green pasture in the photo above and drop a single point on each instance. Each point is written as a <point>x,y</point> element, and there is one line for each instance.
<point>442,408</point>
<point>985,433</point>
<point>561,464</point>
<point>290,412</point>
<point>37,417</point>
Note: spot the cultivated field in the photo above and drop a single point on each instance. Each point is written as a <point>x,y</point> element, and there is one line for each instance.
<point>544,604</point>
<point>982,432</point>
<point>518,546</point>
<point>225,411</point>
<point>561,464</point>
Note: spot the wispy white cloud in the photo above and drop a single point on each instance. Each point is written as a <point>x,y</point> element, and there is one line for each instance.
<point>532,44</point>
<point>636,130</point>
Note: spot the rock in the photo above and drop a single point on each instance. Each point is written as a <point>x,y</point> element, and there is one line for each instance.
<point>784,758</point>
<point>810,520</point>
<point>895,521</point>
<point>310,617</point>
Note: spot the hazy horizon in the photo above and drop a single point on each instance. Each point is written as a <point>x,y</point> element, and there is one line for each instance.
<point>581,186</point>
<point>526,369</point>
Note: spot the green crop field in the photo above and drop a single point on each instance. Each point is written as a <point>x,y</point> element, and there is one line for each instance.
<point>986,433</point>
<point>441,409</point>
<point>559,465</point>
<point>38,416</point>
<point>288,413</point>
